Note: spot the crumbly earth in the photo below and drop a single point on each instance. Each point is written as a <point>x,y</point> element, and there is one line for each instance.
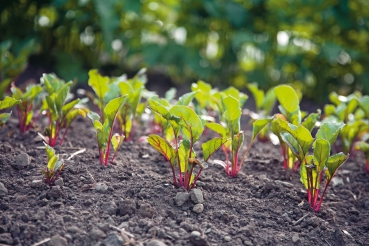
<point>131,202</point>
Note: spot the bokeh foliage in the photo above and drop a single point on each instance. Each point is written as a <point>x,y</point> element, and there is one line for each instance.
<point>315,45</point>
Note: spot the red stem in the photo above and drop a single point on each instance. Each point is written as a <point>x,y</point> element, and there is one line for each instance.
<point>196,178</point>
<point>321,198</point>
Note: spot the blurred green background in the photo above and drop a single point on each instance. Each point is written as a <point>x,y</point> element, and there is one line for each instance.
<point>315,45</point>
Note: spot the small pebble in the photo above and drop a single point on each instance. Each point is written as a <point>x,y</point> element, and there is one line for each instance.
<point>22,160</point>
<point>198,208</point>
<point>37,183</point>
<point>59,182</point>
<point>295,238</point>
<point>181,198</point>
<point>101,187</point>
<point>197,196</point>
<point>227,238</point>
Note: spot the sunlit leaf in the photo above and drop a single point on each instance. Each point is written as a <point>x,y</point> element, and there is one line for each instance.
<point>211,146</point>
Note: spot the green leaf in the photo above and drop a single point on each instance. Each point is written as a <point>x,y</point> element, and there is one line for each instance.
<point>303,172</point>
<point>289,100</point>
<point>4,118</point>
<point>329,131</point>
<point>163,147</point>
<point>258,126</point>
<point>257,94</point>
<point>170,94</point>
<point>218,128</point>
<point>50,100</point>
<point>298,138</point>
<point>329,109</point>
<point>8,102</point>
<point>334,162</point>
<point>232,108</point>
<point>190,121</point>
<point>72,114</point>
<point>187,98</point>
<point>322,150</point>
<point>52,162</point>
<point>310,120</point>
<point>50,152</point>
<point>209,147</point>
<point>117,140</point>
<point>204,93</point>
<point>112,108</point>
<point>237,142</point>
<point>98,83</point>
<point>61,96</point>
<point>93,116</point>
<point>67,107</point>
<point>241,97</point>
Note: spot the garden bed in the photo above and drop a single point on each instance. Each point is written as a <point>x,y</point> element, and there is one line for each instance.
<point>131,202</point>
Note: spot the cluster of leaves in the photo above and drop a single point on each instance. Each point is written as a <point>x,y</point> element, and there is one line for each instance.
<point>106,89</point>
<point>54,166</point>
<point>230,128</point>
<point>61,113</point>
<point>313,167</point>
<point>104,129</point>
<point>26,109</point>
<point>11,64</point>
<point>187,128</point>
<point>290,111</point>
<point>353,111</point>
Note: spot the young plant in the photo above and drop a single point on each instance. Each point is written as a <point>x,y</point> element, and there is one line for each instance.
<point>61,114</point>
<point>290,112</point>
<point>104,129</point>
<point>353,110</point>
<point>54,166</point>
<point>7,103</point>
<point>232,131</point>
<point>264,103</point>
<point>313,167</point>
<point>133,88</point>
<point>26,109</point>
<point>187,128</point>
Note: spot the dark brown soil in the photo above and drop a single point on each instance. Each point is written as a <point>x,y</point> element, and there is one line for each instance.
<point>264,205</point>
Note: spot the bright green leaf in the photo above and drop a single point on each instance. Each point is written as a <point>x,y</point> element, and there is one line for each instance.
<point>209,147</point>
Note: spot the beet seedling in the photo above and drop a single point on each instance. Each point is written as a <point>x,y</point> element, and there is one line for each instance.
<point>133,88</point>
<point>26,108</point>
<point>188,126</point>
<point>290,111</point>
<point>54,166</point>
<point>232,132</point>
<point>313,167</point>
<point>8,102</point>
<point>61,114</point>
<point>353,110</point>
<point>104,129</point>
